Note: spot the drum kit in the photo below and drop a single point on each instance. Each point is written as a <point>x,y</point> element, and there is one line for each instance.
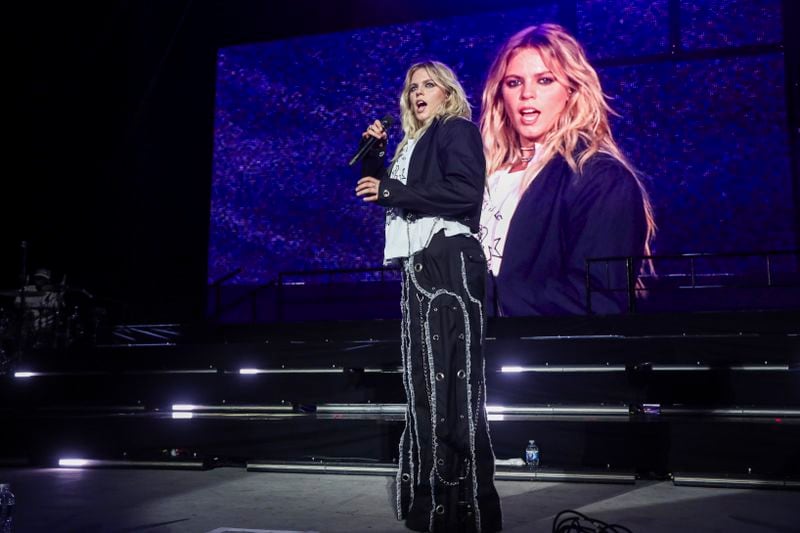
<point>43,316</point>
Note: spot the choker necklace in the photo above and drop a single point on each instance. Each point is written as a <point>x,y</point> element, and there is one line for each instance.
<point>527,157</point>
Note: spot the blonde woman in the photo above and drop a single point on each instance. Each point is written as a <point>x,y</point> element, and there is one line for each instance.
<point>432,193</point>
<point>559,190</point>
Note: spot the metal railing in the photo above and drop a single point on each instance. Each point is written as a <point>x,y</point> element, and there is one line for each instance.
<point>690,272</point>
<point>289,278</point>
<point>635,285</point>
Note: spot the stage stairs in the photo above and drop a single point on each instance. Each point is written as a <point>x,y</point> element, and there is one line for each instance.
<point>708,396</point>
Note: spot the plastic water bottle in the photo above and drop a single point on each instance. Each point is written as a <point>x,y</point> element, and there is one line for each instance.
<point>532,454</point>
<point>7,502</point>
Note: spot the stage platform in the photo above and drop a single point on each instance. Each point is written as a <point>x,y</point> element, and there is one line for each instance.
<point>227,500</point>
<point>643,396</point>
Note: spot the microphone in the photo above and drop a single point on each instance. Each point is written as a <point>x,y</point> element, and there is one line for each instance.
<point>369,141</point>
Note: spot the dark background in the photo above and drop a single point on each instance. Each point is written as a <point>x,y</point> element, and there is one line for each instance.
<point>110,133</point>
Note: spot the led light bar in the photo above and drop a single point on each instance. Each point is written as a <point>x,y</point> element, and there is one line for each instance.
<point>73,462</point>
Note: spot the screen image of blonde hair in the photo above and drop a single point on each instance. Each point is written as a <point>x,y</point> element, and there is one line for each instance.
<point>581,131</point>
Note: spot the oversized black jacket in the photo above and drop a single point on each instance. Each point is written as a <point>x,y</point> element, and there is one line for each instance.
<point>563,219</point>
<point>446,174</point>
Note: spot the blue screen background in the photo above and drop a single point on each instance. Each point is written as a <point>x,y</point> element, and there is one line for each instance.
<point>708,132</point>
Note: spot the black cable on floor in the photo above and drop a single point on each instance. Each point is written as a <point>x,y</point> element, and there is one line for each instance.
<point>575,522</point>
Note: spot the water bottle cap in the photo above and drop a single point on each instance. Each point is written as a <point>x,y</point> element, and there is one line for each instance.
<point>531,441</point>
<point>5,486</point>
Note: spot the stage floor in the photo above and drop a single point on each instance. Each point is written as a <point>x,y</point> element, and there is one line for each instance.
<point>222,499</point>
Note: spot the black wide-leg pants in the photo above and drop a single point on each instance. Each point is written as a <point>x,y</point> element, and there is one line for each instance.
<point>446,463</point>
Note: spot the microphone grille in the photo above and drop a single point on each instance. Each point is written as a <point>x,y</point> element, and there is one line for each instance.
<point>387,121</point>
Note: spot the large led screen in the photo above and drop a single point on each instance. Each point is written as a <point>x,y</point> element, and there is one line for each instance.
<point>707,132</point>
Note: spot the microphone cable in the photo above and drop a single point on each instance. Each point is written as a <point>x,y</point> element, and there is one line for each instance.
<point>572,523</point>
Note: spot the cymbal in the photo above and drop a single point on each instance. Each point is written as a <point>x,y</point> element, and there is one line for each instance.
<point>75,289</point>
<point>28,294</point>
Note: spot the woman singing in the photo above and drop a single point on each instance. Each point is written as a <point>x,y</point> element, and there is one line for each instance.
<point>432,193</point>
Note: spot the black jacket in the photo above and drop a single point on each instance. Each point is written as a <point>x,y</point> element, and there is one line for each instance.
<point>563,219</point>
<point>445,174</point>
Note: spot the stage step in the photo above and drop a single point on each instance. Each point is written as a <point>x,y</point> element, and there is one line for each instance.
<point>717,393</point>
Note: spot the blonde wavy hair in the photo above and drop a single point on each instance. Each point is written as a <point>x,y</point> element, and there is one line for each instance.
<point>455,104</point>
<point>582,129</point>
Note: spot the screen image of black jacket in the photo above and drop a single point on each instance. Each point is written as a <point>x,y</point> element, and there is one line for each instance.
<point>563,219</point>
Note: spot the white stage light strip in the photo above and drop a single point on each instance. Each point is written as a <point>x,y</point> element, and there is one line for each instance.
<point>75,463</point>
<point>698,367</point>
<point>255,371</point>
<point>521,474</point>
<point>26,374</point>
<point>700,480</point>
<point>563,368</point>
<point>541,475</point>
<point>398,370</point>
<point>557,410</point>
<point>183,407</point>
<point>382,408</point>
<point>495,412</point>
<point>399,408</point>
<point>759,368</point>
<point>378,470</point>
<point>680,368</point>
<point>177,408</point>
<point>103,463</point>
<point>332,370</point>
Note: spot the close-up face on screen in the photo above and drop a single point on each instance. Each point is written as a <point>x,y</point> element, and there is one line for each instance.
<point>706,136</point>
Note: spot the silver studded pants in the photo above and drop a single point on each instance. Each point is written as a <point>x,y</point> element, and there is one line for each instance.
<point>445,479</point>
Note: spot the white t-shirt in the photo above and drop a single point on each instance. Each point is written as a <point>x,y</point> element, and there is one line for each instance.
<point>403,237</point>
<point>503,192</point>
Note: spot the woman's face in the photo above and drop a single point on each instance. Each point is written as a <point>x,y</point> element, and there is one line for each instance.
<point>424,96</point>
<point>533,99</point>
